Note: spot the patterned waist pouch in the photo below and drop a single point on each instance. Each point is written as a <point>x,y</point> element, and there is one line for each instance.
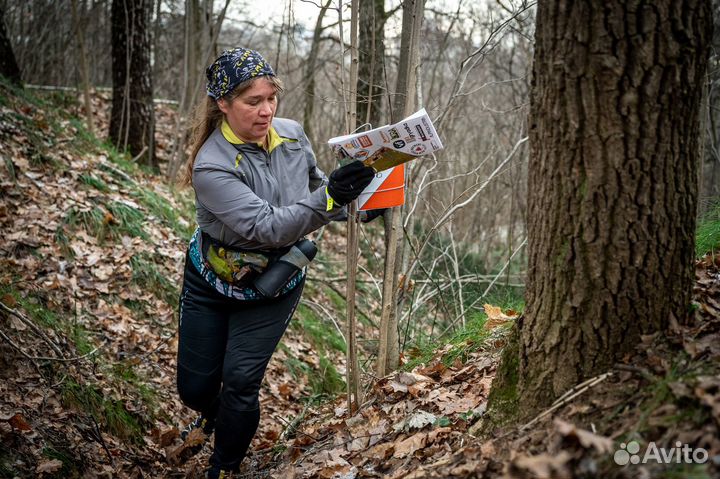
<point>237,267</point>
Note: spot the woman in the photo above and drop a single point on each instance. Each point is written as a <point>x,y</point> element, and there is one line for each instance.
<point>258,191</point>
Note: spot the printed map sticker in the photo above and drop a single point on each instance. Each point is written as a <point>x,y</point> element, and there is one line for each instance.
<point>387,149</point>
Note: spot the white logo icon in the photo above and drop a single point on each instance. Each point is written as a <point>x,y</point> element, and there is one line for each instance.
<point>622,456</point>
<point>681,453</point>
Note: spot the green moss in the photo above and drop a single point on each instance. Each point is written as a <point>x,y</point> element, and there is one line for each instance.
<point>503,399</point>
<point>562,254</point>
<point>464,342</point>
<point>583,188</point>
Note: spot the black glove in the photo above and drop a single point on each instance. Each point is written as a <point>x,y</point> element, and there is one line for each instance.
<point>370,215</point>
<point>347,182</point>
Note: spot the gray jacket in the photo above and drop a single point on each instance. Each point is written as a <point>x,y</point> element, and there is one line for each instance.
<point>251,199</point>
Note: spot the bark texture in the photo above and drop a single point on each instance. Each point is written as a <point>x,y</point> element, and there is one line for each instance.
<point>612,188</point>
<point>8,65</point>
<point>371,55</point>
<point>132,120</point>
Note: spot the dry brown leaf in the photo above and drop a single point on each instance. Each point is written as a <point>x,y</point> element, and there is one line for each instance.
<point>18,422</point>
<point>165,438</point>
<point>495,312</point>
<point>9,300</point>
<point>381,451</point>
<point>285,390</point>
<point>459,404</point>
<point>708,391</point>
<point>410,445</point>
<point>336,469</point>
<point>358,444</point>
<point>542,466</point>
<point>496,317</point>
<point>50,466</point>
<point>408,378</point>
<point>181,453</point>
<point>586,438</point>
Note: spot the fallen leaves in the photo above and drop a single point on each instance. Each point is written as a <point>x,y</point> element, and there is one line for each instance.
<point>19,422</point>
<point>496,317</point>
<point>53,465</point>
<point>586,439</point>
<point>428,409</point>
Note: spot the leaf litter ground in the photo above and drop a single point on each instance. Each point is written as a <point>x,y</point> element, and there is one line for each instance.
<point>105,404</point>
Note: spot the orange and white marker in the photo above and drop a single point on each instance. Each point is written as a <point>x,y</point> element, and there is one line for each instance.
<point>386,190</point>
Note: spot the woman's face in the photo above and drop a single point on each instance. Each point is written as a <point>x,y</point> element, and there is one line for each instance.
<point>250,114</point>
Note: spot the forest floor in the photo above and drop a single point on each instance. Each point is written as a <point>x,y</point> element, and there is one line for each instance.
<point>91,257</point>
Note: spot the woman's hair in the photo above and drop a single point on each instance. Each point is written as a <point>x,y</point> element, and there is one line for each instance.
<point>207,117</point>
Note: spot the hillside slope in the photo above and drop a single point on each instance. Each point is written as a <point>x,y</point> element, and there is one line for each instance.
<point>91,260</point>
<point>91,256</point>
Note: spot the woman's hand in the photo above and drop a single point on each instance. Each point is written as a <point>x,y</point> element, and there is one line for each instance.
<point>347,182</point>
<point>370,215</point>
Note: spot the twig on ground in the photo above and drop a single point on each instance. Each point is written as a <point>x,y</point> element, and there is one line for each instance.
<point>97,435</point>
<point>637,370</point>
<point>571,394</point>
<point>34,327</point>
<point>19,349</point>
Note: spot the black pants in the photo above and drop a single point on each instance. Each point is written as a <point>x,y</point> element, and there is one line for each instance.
<point>224,348</point>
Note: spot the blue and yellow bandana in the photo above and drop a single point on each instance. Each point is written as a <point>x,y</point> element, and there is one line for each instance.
<point>234,67</point>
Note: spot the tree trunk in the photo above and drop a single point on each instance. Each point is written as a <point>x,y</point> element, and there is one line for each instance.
<point>393,287</point>
<point>84,68</point>
<point>310,70</point>
<point>8,65</point>
<point>132,120</point>
<point>614,126</point>
<point>371,84</point>
<point>710,172</point>
<point>354,391</point>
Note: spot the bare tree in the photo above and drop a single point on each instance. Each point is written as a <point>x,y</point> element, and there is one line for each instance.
<point>84,68</point>
<point>310,73</point>
<point>371,55</point>
<point>8,65</point>
<point>132,120</point>
<point>388,355</point>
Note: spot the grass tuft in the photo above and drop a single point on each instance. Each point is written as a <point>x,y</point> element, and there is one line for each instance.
<point>324,338</point>
<point>707,236</point>
<point>95,182</point>
<point>147,275</point>
<point>109,413</point>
